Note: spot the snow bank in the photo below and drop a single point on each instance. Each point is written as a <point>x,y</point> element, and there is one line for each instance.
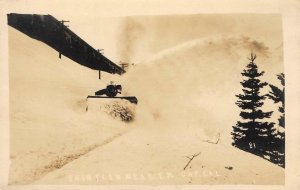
<point>49,125</point>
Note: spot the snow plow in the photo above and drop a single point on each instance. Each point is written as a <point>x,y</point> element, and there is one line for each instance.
<point>111,91</point>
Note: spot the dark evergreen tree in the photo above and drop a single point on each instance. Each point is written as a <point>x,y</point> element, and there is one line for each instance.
<point>277,95</point>
<point>252,134</point>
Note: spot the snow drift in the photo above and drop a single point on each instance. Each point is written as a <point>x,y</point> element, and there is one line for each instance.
<point>49,125</point>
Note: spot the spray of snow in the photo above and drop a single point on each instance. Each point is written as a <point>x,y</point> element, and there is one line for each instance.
<point>194,84</point>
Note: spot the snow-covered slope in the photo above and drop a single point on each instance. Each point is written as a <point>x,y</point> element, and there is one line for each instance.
<point>186,102</point>
<point>49,125</point>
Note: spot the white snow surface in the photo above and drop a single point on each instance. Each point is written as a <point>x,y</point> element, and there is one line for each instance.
<point>186,106</point>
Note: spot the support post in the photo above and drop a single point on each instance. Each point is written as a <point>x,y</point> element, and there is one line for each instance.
<point>99,74</point>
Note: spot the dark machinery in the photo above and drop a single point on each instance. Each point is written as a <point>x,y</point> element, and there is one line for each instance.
<point>111,91</point>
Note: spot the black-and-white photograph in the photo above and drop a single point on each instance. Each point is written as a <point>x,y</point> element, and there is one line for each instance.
<point>153,99</point>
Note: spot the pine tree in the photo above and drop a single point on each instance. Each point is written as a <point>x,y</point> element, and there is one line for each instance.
<point>277,95</point>
<point>252,134</point>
